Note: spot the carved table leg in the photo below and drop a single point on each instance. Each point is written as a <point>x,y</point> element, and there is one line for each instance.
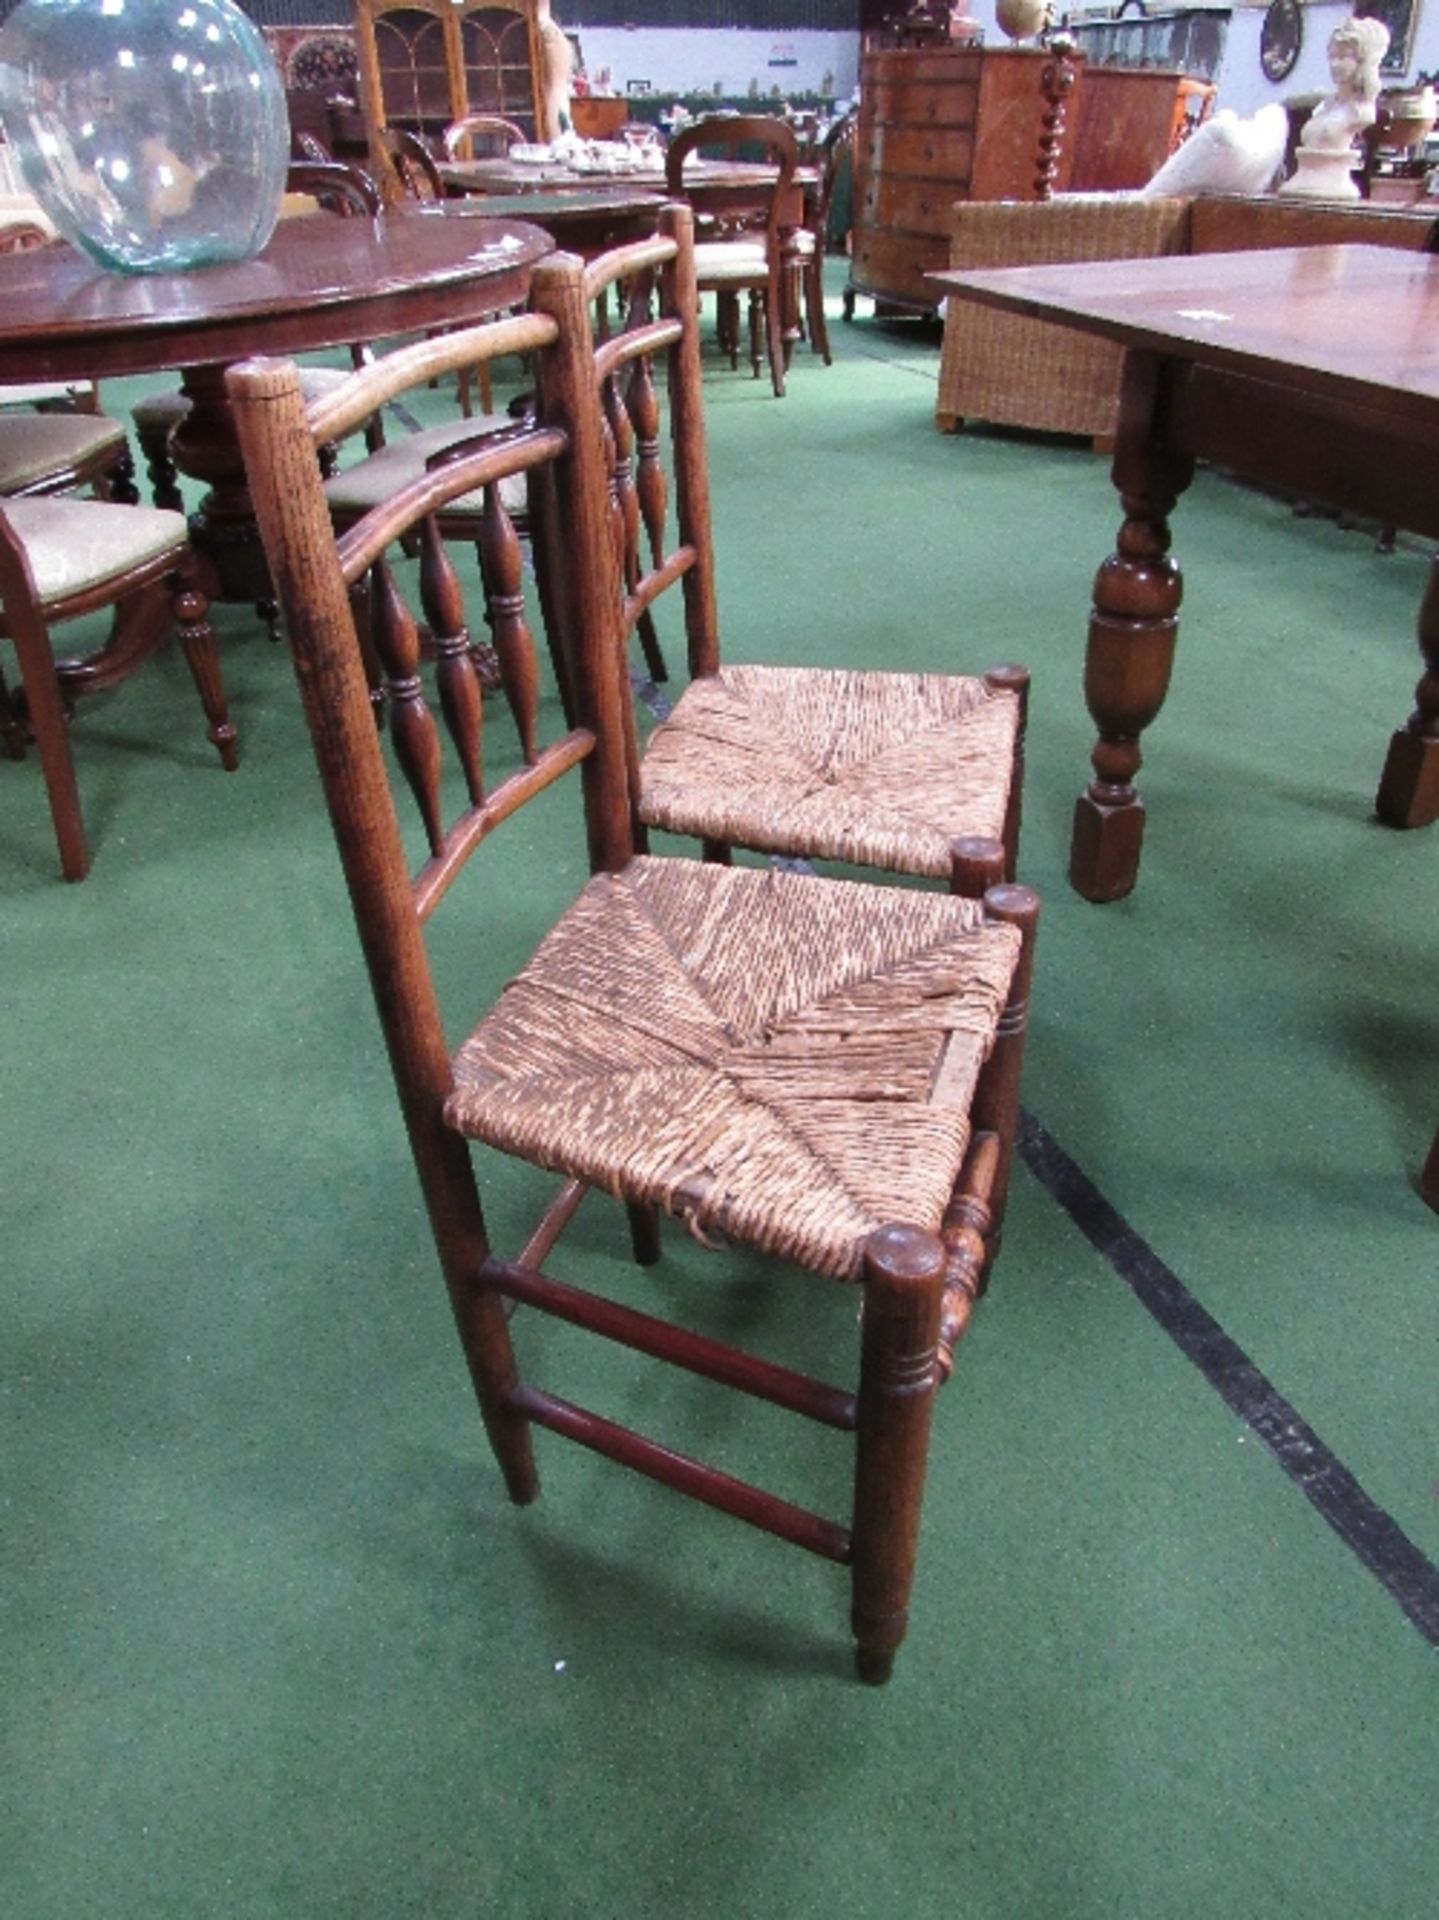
<point>1409,787</point>
<point>1132,632</point>
<point>204,446</point>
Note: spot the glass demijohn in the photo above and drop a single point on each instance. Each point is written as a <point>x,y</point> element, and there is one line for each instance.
<point>153,132</point>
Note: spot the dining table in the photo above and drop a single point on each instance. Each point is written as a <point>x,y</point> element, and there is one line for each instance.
<point>587,220</point>
<point>320,282</point>
<point>725,189</point>
<point>1312,370</point>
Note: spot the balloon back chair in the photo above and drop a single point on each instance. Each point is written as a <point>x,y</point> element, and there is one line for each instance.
<point>821,1071</point>
<point>61,558</point>
<point>754,252</point>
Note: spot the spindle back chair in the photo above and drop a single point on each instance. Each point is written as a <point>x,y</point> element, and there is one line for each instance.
<point>820,1071</point>
<point>920,774</point>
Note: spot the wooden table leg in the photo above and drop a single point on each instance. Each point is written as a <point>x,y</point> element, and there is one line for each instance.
<point>1409,786</point>
<point>226,537</point>
<point>1132,632</point>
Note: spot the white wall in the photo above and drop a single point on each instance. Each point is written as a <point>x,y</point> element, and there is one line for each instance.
<point>728,59</point>
<point>725,59</point>
<point>1242,85</point>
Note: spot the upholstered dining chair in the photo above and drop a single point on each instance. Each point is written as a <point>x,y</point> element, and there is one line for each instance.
<point>831,149</point>
<point>821,1071</point>
<point>53,437</point>
<point>60,558</point>
<point>917,773</point>
<point>758,256</point>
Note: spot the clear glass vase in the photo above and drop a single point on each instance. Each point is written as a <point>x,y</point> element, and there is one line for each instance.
<point>153,132</point>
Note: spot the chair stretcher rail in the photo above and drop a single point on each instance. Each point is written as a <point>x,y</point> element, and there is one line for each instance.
<point>715,1489</point>
<point>830,1406</point>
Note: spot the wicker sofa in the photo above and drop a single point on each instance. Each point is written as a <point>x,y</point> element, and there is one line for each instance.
<point>1017,372</point>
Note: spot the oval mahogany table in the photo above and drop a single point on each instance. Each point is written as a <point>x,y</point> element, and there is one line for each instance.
<point>321,282</point>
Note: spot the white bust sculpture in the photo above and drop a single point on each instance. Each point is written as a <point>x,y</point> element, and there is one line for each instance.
<point>1328,153</point>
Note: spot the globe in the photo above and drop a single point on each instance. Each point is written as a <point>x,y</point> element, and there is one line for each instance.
<point>153,132</point>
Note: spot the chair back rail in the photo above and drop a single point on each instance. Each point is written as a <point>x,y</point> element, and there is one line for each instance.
<point>351,626</point>
<point>662,317</point>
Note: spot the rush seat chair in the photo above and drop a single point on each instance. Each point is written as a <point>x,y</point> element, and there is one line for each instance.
<point>915,773</point>
<point>818,1070</point>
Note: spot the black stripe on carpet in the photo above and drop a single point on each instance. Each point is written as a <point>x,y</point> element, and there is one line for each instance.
<point>1366,1529</point>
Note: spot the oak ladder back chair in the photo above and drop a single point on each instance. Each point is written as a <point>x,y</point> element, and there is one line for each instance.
<point>691,1038</point>
<point>759,257</point>
<point>60,558</point>
<point>916,773</point>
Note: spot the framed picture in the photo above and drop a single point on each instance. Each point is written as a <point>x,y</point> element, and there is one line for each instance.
<point>1399,16</point>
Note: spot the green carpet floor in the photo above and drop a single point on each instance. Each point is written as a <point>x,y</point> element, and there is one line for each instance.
<point>274,1644</point>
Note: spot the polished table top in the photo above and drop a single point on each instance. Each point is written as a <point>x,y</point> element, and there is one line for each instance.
<point>319,282</point>
<point>1356,322</point>
<point>552,176</point>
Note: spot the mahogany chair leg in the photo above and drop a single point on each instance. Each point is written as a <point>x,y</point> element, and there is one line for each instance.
<point>161,469</point>
<point>898,1378</point>
<point>119,482</point>
<point>197,637</point>
<point>814,308</point>
<point>776,344</point>
<point>1429,1178</point>
<point>756,331</point>
<point>718,852</point>
<point>12,726</point>
<point>727,325</point>
<point>46,710</point>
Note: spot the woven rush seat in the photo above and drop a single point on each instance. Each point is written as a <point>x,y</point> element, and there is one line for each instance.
<point>775,1059</point>
<point>882,769</point>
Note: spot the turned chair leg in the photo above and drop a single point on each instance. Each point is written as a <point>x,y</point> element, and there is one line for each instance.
<point>197,637</point>
<point>160,469</point>
<point>119,482</point>
<point>898,1378</point>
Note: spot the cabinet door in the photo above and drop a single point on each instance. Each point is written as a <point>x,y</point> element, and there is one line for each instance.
<point>1012,107</point>
<point>1121,130</point>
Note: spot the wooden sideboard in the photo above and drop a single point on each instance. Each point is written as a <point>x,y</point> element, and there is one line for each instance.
<point>936,125</point>
<point>947,123</point>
